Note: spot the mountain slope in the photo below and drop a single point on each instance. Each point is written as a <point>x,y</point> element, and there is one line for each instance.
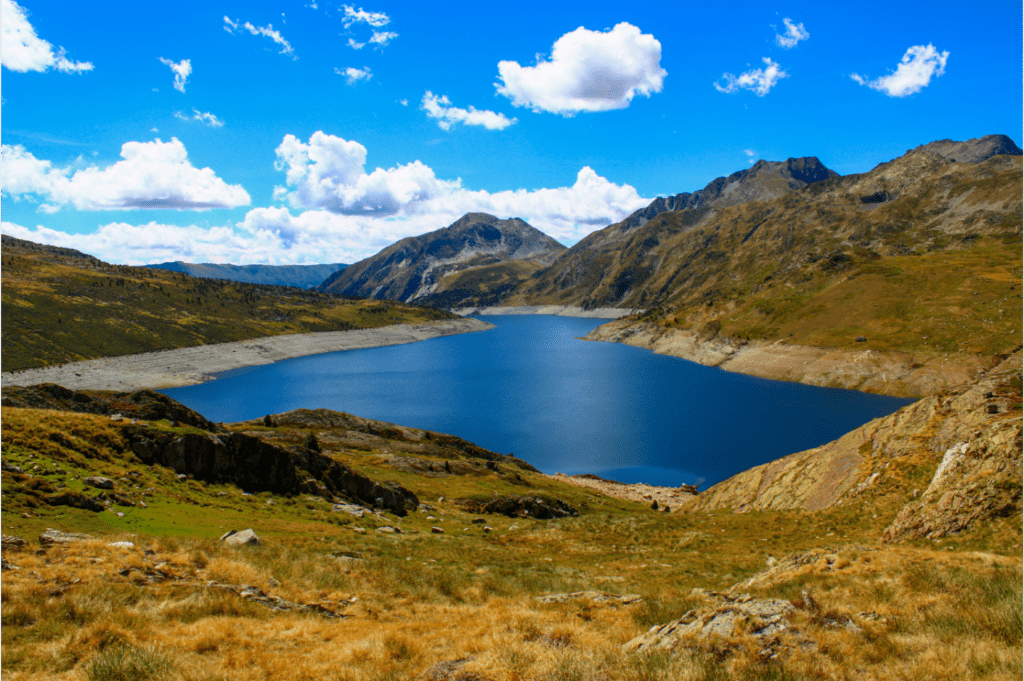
<point>610,268</point>
<point>417,267</point>
<point>61,306</point>
<point>299,276</point>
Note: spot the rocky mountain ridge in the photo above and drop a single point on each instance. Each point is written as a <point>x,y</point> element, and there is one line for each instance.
<point>416,267</point>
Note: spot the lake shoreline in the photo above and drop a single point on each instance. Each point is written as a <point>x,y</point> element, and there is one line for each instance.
<point>896,374</point>
<point>555,310</point>
<point>190,366</point>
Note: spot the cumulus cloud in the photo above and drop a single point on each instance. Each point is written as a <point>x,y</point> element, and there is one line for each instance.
<point>588,71</point>
<point>22,50</point>
<point>758,81</point>
<point>441,109</point>
<point>794,34</point>
<point>914,72</point>
<point>354,45</point>
<point>152,175</point>
<point>182,70</point>
<point>328,174</point>
<point>265,31</point>
<point>203,117</point>
<point>360,16</point>
<point>337,211</point>
<point>354,75</point>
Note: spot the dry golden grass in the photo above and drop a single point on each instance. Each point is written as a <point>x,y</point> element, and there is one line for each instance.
<point>74,614</point>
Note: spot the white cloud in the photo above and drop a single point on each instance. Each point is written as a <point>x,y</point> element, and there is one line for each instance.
<point>22,50</point>
<point>913,73</point>
<point>329,174</point>
<point>354,45</point>
<point>758,81</point>
<point>354,75</point>
<point>203,117</point>
<point>441,109</point>
<point>751,155</point>
<point>794,34</point>
<point>155,175</point>
<point>588,71</point>
<point>266,31</point>
<point>182,70</point>
<point>354,16</point>
<point>404,102</point>
<point>382,38</point>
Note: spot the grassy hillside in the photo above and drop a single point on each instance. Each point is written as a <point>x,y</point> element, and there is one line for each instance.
<point>61,306</point>
<point>919,254</point>
<point>327,595</point>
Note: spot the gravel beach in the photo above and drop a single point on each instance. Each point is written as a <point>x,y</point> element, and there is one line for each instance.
<point>188,366</point>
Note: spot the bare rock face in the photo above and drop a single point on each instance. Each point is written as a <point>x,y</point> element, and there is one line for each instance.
<point>973,150</point>
<point>972,434</point>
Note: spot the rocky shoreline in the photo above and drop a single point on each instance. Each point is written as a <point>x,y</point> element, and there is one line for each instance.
<point>189,366</point>
<point>899,374</point>
<point>556,310</point>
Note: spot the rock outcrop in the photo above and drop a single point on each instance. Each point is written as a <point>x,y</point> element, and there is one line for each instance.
<point>540,507</point>
<point>970,436</point>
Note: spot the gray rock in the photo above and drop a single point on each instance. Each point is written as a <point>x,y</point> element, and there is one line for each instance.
<point>593,596</point>
<point>99,482</point>
<point>57,538</point>
<point>387,529</point>
<point>116,418</point>
<point>122,545</point>
<point>243,538</point>
<point>437,530</point>
<point>12,543</point>
<point>10,468</point>
<point>4,565</point>
<point>351,509</point>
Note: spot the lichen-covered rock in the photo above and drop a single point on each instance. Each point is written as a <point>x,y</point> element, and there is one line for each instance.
<point>99,482</point>
<point>733,615</point>
<point>597,597</point>
<point>53,537</point>
<point>12,543</point>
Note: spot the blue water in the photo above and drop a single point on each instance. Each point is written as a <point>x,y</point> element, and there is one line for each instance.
<point>530,387</point>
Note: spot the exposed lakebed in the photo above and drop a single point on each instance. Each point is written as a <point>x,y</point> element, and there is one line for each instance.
<point>531,387</point>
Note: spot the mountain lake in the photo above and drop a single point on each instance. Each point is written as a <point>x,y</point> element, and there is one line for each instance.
<point>531,387</point>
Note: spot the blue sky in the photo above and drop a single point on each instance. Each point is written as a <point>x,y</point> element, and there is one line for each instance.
<point>287,142</point>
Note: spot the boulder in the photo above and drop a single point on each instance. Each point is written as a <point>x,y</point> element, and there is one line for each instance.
<point>57,538</point>
<point>243,538</point>
<point>99,482</point>
<point>351,509</point>
<point>10,468</point>
<point>540,507</point>
<point>12,543</point>
<point>121,545</point>
<point>75,500</point>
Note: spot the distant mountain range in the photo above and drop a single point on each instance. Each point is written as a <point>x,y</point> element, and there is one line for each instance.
<point>477,256</point>
<point>299,276</point>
